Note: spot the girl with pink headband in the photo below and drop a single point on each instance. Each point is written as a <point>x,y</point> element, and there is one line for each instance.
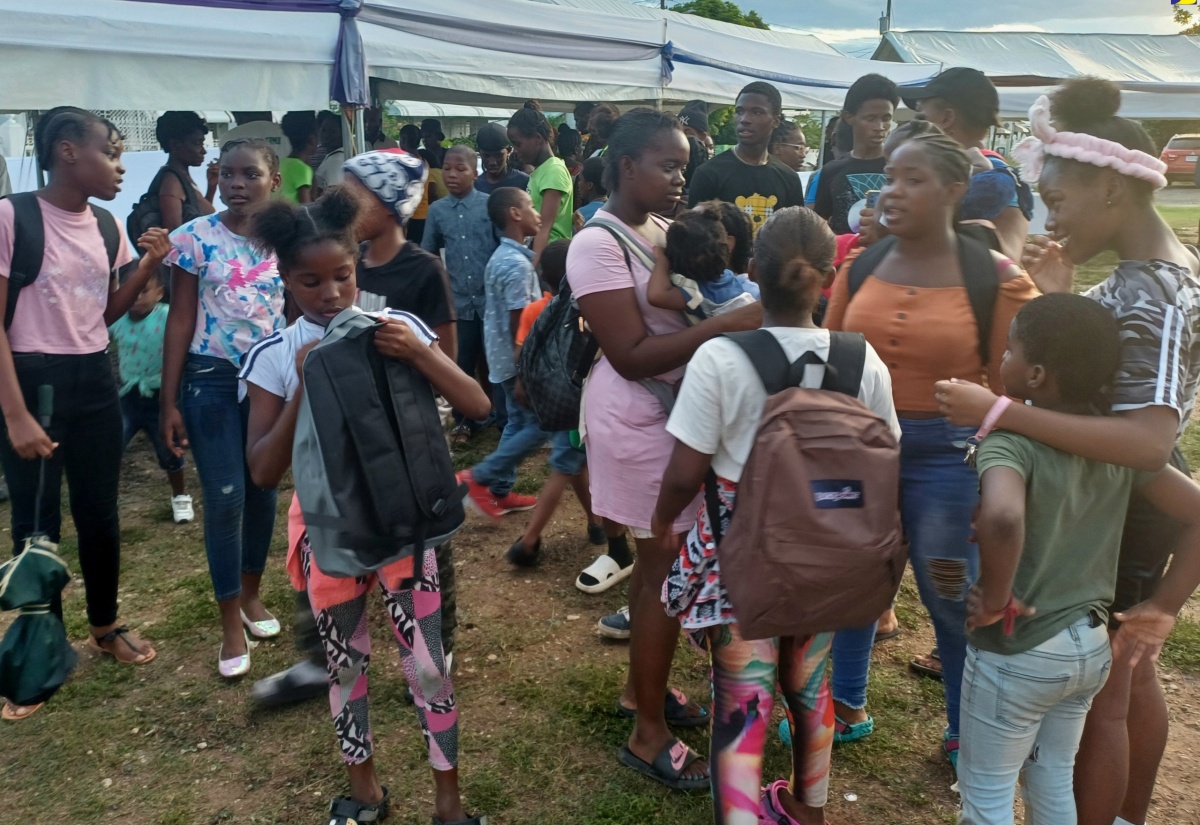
<point>1097,175</point>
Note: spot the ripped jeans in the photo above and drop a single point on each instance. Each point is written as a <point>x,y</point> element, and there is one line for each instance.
<point>239,518</point>
<point>938,495</point>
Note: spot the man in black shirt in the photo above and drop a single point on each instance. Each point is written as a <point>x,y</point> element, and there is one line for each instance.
<point>747,175</point>
<point>870,104</point>
<point>494,150</point>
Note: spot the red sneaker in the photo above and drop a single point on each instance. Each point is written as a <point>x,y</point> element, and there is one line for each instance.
<point>480,498</point>
<point>513,503</point>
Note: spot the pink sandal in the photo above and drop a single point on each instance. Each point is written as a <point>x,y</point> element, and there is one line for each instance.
<point>770,811</point>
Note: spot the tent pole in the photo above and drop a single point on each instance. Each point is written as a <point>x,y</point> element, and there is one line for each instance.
<point>821,148</point>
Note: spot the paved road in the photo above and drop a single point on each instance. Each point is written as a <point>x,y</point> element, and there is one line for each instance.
<point>1179,195</point>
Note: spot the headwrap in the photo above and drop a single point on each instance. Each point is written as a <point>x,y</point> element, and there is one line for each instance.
<point>1089,149</point>
<point>392,175</point>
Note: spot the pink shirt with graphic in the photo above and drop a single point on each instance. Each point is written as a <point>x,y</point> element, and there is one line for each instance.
<point>62,311</point>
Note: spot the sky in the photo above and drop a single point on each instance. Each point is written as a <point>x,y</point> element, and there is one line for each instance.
<point>853,26</point>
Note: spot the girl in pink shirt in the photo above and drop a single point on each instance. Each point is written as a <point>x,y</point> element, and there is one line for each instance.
<point>58,337</point>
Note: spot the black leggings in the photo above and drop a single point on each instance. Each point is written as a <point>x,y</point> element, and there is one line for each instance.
<point>87,426</point>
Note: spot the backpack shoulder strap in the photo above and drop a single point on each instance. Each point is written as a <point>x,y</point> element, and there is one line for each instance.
<point>29,243</point>
<point>110,234</point>
<point>768,357</point>
<point>866,262</point>
<point>629,245</point>
<point>847,361</point>
<point>189,188</point>
<point>983,284</point>
<point>612,230</point>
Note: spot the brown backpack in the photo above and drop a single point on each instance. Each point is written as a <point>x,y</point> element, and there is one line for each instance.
<point>814,544</point>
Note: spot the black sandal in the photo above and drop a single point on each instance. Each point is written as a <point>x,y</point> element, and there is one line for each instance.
<point>344,810</point>
<point>668,767</point>
<point>676,709</point>
<point>98,643</point>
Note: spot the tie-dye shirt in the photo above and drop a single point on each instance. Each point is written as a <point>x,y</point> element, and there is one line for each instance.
<point>241,294</point>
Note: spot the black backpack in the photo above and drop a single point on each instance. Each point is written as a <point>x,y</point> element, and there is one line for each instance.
<point>979,276</point>
<point>556,357</point>
<point>146,213</point>
<point>29,243</point>
<point>370,461</point>
<point>560,350</point>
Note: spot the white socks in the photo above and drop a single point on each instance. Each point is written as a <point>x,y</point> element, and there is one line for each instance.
<point>1119,821</point>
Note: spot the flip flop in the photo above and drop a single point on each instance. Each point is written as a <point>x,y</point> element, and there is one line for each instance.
<point>10,715</point>
<point>605,572</point>
<point>675,708</point>
<point>925,670</point>
<point>891,634</point>
<point>668,767</point>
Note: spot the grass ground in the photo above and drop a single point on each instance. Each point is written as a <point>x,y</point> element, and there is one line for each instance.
<point>171,744</point>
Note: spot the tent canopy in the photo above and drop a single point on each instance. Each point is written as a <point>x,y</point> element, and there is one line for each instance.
<point>119,54</point>
<point>1160,74</point>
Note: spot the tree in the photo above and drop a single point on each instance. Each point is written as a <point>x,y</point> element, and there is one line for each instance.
<point>1185,20</point>
<point>723,10</point>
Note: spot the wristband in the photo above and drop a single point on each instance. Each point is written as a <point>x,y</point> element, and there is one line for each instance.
<point>1010,615</point>
<point>993,415</point>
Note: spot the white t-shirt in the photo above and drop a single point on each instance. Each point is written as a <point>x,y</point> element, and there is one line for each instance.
<point>721,401</point>
<point>271,363</point>
<point>330,170</point>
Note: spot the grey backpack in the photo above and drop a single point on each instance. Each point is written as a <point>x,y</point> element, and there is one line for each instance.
<point>370,460</point>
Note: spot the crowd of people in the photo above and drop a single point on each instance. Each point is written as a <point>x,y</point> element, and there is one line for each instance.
<point>1052,526</point>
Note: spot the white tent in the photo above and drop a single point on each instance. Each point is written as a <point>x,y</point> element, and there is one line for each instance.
<point>565,51</point>
<point>119,54</point>
<point>1160,74</point>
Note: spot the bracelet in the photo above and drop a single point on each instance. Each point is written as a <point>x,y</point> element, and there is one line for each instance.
<point>993,415</point>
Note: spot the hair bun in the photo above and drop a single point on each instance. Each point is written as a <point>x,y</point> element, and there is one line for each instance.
<point>1082,101</point>
<point>532,104</point>
<point>338,207</point>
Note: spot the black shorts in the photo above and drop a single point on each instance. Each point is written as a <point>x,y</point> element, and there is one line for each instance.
<point>1147,542</point>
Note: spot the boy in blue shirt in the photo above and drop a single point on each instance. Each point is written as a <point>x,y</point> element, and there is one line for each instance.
<point>139,339</point>
<point>459,224</point>
<point>510,284</point>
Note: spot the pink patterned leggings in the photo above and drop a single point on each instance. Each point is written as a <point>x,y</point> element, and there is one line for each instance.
<point>744,677</point>
<point>415,609</point>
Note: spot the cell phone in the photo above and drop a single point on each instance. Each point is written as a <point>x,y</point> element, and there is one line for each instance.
<point>872,198</point>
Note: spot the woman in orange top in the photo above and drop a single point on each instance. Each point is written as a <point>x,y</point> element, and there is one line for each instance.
<point>914,310</point>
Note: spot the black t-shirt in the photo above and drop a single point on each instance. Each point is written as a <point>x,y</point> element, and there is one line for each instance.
<point>757,190</point>
<point>844,183</point>
<point>414,281</point>
<point>515,178</point>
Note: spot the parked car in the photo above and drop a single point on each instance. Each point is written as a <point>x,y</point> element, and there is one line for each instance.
<point>1180,156</point>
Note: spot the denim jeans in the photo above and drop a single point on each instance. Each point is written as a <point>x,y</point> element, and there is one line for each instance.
<point>522,435</point>
<point>938,496</point>
<point>140,413</point>
<point>1023,716</point>
<point>852,665</point>
<point>239,518</point>
<point>86,423</point>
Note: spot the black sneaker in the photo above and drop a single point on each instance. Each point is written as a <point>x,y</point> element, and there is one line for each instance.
<point>522,556</point>
<point>299,683</point>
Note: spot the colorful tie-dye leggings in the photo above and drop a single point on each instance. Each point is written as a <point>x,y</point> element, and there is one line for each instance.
<point>744,677</point>
<point>415,611</point>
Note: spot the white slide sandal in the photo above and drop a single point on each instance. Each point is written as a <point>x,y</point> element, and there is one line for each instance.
<point>605,572</point>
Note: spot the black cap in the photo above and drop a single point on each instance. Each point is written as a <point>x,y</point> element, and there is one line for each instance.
<point>694,114</point>
<point>492,137</point>
<point>967,90</point>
